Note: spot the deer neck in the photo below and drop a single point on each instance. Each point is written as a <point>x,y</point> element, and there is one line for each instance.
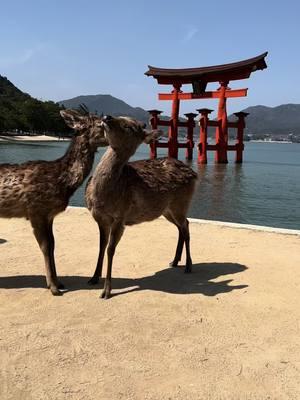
<point>110,169</point>
<point>77,162</point>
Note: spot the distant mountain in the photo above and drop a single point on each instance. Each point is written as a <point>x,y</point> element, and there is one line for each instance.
<point>276,121</point>
<point>18,110</point>
<point>107,104</point>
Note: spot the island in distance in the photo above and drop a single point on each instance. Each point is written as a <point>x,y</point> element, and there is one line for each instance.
<point>281,123</point>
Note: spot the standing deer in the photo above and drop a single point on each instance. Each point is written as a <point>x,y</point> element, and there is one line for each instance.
<point>39,190</point>
<point>122,193</point>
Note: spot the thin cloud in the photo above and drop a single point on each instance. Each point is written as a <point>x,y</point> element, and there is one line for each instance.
<point>191,32</point>
<point>21,58</point>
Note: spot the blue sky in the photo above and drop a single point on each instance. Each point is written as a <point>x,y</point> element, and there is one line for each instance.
<point>60,49</point>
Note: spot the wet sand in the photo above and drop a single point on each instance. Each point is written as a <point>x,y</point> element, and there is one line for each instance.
<point>230,330</point>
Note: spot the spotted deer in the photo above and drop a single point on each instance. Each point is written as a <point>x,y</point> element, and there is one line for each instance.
<point>39,190</point>
<point>124,193</point>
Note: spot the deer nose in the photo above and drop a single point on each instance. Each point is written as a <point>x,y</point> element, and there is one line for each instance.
<point>107,118</point>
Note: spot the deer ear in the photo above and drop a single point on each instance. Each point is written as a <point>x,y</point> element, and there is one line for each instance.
<point>152,135</point>
<point>73,119</point>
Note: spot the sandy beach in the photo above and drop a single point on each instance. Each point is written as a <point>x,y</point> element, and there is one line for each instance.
<point>230,330</point>
<point>27,138</point>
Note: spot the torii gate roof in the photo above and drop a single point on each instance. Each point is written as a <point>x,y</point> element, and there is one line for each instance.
<point>215,73</point>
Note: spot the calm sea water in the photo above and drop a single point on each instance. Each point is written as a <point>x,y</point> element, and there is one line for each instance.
<point>264,190</point>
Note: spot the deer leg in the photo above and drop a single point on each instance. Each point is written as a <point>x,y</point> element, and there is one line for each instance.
<point>115,235</point>
<point>186,235</point>
<point>51,251</point>
<point>180,242</point>
<point>179,249</point>
<point>103,233</point>
<point>41,233</point>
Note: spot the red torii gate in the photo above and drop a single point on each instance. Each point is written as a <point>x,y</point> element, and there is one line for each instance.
<point>199,78</point>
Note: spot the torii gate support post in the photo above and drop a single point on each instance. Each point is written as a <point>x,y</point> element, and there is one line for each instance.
<point>173,130</point>
<point>240,136</point>
<point>222,128</point>
<point>154,124</point>
<point>202,146</point>
<point>190,135</point>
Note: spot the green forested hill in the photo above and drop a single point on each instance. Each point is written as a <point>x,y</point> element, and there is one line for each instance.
<point>20,111</point>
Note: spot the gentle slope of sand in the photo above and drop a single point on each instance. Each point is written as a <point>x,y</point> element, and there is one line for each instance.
<point>229,330</point>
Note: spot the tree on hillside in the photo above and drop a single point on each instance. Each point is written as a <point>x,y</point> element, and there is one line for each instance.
<point>20,111</point>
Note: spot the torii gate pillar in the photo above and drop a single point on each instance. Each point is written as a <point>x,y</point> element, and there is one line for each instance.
<point>222,128</point>
<point>199,78</point>
<point>173,129</point>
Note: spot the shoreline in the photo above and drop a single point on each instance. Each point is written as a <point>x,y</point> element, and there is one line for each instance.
<point>261,228</point>
<point>270,141</point>
<point>28,138</point>
<point>228,224</point>
<point>47,138</point>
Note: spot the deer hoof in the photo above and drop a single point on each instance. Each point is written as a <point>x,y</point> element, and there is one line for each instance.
<point>55,291</point>
<point>105,293</point>
<point>174,263</point>
<point>188,269</point>
<point>94,280</point>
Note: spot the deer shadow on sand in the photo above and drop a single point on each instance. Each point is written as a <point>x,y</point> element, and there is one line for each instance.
<point>169,280</point>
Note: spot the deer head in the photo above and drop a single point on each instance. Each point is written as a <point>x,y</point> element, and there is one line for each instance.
<point>125,133</point>
<point>86,125</point>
